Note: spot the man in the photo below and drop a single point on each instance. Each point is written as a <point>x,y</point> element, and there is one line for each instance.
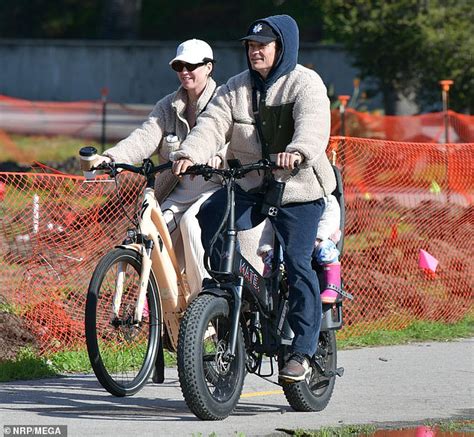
<point>280,108</point>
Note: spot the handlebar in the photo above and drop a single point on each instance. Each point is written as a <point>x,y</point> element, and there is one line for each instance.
<point>236,170</point>
<point>146,169</point>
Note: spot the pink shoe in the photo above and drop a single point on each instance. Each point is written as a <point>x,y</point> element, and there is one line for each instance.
<point>332,276</point>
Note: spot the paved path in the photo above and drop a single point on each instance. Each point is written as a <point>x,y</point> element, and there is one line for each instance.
<point>385,385</point>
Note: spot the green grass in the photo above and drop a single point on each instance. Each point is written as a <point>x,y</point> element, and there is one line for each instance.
<point>10,308</point>
<point>46,148</point>
<point>26,366</point>
<point>455,427</point>
<point>417,331</point>
<point>78,361</point>
<point>29,366</point>
<point>343,431</point>
<point>17,199</point>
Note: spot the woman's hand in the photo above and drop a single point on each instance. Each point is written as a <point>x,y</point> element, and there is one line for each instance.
<point>181,165</point>
<point>215,162</point>
<point>101,159</point>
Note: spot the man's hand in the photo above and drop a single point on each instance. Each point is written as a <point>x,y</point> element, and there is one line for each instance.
<point>181,165</point>
<point>288,161</point>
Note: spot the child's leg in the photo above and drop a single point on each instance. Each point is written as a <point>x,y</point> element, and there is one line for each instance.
<point>332,277</point>
<point>265,247</point>
<point>327,256</point>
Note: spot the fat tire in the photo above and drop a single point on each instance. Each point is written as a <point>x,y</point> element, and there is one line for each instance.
<point>107,380</point>
<point>193,376</point>
<point>300,396</point>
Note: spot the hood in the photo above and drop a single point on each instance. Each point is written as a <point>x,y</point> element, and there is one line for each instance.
<point>287,30</point>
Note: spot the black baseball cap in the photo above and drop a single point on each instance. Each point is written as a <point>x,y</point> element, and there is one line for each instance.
<point>260,32</point>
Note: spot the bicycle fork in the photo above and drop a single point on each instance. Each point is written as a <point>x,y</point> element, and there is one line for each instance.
<point>236,291</point>
<point>235,288</point>
<point>144,278</point>
<point>146,251</point>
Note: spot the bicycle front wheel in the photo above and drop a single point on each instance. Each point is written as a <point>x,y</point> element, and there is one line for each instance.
<point>210,382</point>
<point>122,351</point>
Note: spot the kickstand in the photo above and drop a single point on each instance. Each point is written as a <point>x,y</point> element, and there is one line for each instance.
<point>158,376</point>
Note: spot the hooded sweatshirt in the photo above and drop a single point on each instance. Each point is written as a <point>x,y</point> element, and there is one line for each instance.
<point>294,109</point>
<point>287,30</point>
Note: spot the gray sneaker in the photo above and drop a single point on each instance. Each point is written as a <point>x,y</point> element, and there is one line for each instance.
<point>296,368</point>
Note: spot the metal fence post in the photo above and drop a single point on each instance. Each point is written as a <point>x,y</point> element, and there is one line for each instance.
<point>342,112</point>
<point>104,93</point>
<point>445,85</point>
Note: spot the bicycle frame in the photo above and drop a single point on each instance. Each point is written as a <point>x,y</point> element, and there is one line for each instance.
<point>240,281</point>
<point>249,316</point>
<point>152,240</point>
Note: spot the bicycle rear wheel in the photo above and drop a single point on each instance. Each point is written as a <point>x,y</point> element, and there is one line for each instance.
<point>121,350</point>
<point>314,393</point>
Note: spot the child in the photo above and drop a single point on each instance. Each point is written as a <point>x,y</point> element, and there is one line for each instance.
<point>326,253</point>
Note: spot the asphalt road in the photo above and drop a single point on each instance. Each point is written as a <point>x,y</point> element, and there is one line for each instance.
<point>408,384</point>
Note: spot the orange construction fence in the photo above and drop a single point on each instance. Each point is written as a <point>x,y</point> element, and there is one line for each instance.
<point>423,128</point>
<point>85,119</point>
<point>407,256</point>
<point>82,119</point>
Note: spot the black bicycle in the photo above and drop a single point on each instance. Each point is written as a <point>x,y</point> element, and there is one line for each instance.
<point>239,318</point>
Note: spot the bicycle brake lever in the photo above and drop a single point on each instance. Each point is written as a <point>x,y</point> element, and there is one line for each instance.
<point>107,167</point>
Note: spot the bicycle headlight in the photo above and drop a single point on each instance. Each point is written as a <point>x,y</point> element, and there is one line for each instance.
<point>131,234</point>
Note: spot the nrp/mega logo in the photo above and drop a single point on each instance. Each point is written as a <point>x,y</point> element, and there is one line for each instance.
<point>35,430</point>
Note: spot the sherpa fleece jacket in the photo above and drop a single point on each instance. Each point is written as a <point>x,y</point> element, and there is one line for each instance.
<point>229,119</point>
<point>167,118</point>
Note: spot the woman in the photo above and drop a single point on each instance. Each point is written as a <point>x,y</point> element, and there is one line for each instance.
<point>167,126</point>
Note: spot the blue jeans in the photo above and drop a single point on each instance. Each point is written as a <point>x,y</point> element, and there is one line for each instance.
<point>295,226</point>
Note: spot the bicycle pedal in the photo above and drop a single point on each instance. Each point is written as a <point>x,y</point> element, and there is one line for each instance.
<point>338,372</point>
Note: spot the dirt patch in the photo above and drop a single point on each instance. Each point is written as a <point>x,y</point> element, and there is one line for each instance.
<point>14,335</point>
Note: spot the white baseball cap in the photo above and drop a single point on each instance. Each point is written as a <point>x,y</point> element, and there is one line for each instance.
<point>193,51</point>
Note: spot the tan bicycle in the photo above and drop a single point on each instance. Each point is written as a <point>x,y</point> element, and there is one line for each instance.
<point>136,297</point>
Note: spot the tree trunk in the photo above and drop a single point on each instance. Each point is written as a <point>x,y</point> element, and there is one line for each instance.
<point>121,19</point>
<point>389,99</point>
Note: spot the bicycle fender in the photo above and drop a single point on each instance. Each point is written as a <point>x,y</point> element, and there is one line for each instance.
<point>217,292</point>
<point>133,246</point>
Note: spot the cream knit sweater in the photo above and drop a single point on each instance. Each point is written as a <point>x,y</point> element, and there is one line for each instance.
<point>229,118</point>
<point>166,120</point>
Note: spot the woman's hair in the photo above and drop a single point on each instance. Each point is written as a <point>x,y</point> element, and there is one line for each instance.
<point>212,61</point>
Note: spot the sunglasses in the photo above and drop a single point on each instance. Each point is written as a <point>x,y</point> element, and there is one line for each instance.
<point>179,66</point>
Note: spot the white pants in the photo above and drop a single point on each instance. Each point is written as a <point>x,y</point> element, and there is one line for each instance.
<point>186,237</point>
<point>328,224</point>
<point>330,220</point>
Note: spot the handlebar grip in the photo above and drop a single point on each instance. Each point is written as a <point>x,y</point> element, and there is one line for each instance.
<point>165,166</point>
<point>295,171</point>
<point>198,169</point>
<point>103,166</point>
